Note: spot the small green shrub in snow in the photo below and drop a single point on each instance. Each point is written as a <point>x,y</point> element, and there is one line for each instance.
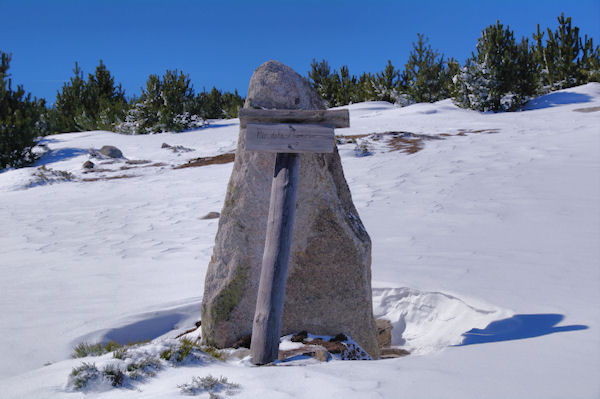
<point>213,386</point>
<point>45,175</point>
<point>135,363</point>
<point>86,349</point>
<point>145,367</point>
<point>81,376</point>
<point>113,374</point>
<point>188,350</point>
<point>87,374</point>
<point>120,353</point>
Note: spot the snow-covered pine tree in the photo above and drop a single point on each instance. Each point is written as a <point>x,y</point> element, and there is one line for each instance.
<point>500,76</point>
<point>21,120</point>
<point>167,103</point>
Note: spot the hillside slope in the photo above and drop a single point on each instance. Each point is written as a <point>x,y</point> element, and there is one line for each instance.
<point>475,219</point>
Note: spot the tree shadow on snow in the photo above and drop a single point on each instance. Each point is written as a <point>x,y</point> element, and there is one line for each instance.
<point>519,326</point>
<point>61,154</point>
<point>557,98</point>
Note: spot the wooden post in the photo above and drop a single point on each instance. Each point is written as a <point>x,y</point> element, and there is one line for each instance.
<point>288,140</point>
<point>266,329</point>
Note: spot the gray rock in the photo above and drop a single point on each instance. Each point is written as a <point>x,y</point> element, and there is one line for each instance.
<point>329,281</point>
<point>111,151</point>
<point>88,165</point>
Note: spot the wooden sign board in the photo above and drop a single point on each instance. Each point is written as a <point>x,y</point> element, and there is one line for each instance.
<point>337,118</point>
<point>289,138</point>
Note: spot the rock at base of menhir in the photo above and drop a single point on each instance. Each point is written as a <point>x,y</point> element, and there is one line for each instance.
<point>211,215</point>
<point>393,353</point>
<point>324,349</point>
<point>384,333</point>
<point>329,281</point>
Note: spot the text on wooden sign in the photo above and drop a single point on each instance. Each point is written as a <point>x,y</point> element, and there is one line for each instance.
<point>290,138</point>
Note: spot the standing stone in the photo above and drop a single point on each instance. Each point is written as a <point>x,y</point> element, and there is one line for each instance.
<point>329,281</point>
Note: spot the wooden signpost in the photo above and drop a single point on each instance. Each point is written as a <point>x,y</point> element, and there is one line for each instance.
<point>288,133</point>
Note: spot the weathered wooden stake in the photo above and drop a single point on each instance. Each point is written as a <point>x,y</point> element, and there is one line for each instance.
<point>271,292</point>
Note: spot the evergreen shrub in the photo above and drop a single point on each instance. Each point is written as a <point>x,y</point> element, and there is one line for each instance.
<point>21,120</point>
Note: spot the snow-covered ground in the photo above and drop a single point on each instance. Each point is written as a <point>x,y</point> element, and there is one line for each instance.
<point>486,255</point>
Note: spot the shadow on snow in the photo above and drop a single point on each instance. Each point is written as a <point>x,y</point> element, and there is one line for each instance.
<point>144,329</point>
<point>61,154</point>
<point>557,98</point>
<point>519,326</point>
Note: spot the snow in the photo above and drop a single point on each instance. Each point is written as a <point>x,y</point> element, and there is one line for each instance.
<point>486,256</point>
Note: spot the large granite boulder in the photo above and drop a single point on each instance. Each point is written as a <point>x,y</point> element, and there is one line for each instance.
<point>329,281</point>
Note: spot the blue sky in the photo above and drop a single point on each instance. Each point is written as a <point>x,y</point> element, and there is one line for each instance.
<point>220,43</point>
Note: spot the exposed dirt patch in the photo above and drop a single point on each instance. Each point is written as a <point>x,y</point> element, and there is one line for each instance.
<point>218,159</point>
<point>401,141</point>
<point>587,109</point>
<point>108,178</point>
<point>156,164</point>
<point>96,170</point>
<point>464,132</point>
<point>137,161</point>
<point>406,142</point>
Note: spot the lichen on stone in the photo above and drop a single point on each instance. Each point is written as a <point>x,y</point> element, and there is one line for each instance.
<point>228,298</point>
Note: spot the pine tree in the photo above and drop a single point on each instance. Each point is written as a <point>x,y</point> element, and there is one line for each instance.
<point>500,77</point>
<point>104,101</point>
<point>450,72</point>
<point>590,61</point>
<point>565,59</point>
<point>21,121</point>
<point>365,87</point>
<point>387,84</point>
<point>213,105</point>
<point>326,83</point>
<point>424,75</point>
<point>347,87</point>
<point>232,102</point>
<point>88,105</point>
<point>69,104</point>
